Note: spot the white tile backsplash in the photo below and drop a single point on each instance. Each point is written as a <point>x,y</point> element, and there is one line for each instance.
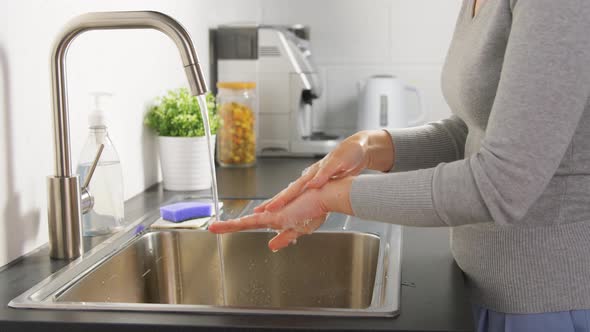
<point>341,31</point>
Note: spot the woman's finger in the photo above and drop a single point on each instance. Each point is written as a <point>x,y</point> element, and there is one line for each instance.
<point>314,224</point>
<point>346,173</point>
<point>287,237</point>
<point>283,239</point>
<point>287,194</point>
<point>330,167</point>
<point>262,206</point>
<point>253,221</point>
<point>340,174</point>
<point>291,192</point>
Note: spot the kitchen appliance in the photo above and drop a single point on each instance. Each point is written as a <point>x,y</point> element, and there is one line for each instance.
<point>382,104</point>
<point>279,60</point>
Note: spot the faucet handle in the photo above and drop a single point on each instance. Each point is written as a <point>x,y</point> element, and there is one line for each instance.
<point>86,199</point>
<point>92,168</point>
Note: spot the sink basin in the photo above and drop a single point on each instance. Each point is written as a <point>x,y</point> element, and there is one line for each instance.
<point>350,267</point>
<point>326,270</point>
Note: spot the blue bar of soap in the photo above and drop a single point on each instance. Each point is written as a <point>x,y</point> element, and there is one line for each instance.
<point>178,212</point>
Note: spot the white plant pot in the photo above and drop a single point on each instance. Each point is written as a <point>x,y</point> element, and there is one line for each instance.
<point>185,162</point>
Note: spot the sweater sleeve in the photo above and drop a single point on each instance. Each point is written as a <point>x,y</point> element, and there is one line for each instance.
<point>427,146</point>
<point>543,90</point>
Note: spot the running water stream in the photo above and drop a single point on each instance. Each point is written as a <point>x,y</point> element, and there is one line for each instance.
<point>205,115</point>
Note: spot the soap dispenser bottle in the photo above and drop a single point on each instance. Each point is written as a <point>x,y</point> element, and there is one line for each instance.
<point>106,186</point>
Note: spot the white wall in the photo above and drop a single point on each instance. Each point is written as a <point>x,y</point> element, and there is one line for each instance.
<point>352,39</point>
<point>136,66</point>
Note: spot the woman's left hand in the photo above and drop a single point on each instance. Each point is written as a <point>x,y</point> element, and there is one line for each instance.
<point>301,216</point>
<point>372,149</point>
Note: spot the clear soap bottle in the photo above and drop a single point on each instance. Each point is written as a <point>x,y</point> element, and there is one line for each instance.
<point>106,185</point>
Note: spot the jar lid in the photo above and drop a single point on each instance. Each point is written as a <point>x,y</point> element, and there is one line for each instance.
<point>236,85</point>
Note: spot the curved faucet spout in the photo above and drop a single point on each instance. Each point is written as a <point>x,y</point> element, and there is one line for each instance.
<point>64,205</point>
<point>109,21</point>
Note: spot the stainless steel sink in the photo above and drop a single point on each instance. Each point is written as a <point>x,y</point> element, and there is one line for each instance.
<point>350,267</point>
<point>335,270</point>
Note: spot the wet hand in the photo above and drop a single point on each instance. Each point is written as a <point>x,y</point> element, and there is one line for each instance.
<point>349,158</point>
<point>303,215</point>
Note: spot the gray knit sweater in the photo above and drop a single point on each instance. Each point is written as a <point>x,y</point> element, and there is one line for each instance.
<point>510,170</point>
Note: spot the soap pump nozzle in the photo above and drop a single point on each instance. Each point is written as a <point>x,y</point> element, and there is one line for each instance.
<point>96,118</point>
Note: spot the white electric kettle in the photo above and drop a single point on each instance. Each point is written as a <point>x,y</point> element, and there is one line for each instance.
<point>382,104</point>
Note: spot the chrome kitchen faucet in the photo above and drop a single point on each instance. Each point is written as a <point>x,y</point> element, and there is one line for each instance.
<point>66,200</point>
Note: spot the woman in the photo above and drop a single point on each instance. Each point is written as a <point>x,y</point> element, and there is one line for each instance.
<point>509,171</point>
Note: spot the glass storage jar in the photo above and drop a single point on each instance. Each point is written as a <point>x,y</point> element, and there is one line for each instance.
<point>236,136</point>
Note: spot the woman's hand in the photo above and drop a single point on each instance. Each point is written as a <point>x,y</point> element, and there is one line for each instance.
<point>301,216</point>
<point>365,149</point>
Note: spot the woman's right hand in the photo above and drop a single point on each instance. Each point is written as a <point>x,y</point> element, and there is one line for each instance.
<point>366,149</point>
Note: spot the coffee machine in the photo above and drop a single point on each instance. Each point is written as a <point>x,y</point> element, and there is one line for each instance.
<point>278,59</point>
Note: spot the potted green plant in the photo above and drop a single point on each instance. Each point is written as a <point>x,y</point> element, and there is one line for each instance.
<point>184,156</point>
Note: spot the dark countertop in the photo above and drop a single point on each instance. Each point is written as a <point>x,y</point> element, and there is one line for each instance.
<point>433,297</point>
